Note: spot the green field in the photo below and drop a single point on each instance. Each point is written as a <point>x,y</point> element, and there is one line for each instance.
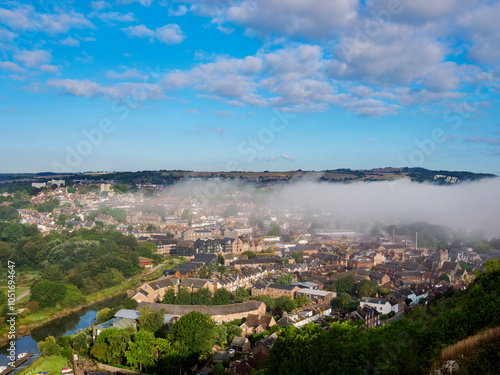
<point>52,365</point>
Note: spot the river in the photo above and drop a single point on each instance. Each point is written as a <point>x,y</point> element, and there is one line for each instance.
<point>64,326</point>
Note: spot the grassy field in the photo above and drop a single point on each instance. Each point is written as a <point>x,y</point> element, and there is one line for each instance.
<point>52,365</point>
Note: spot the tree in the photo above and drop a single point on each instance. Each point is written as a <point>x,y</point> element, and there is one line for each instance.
<point>285,303</point>
<point>220,335</point>
<point>141,350</point>
<point>53,273</point>
<point>365,288</point>
<point>120,188</point>
<point>274,231</point>
<point>298,256</point>
<point>285,279</point>
<point>250,254</point>
<point>81,342</point>
<point>151,320</point>
<point>482,248</point>
<point>8,213</point>
<point>232,332</point>
<point>341,302</point>
<point>195,331</point>
<point>169,296</point>
<point>445,277</point>
<point>463,264</point>
<point>218,369</point>
<point>183,297</point>
<point>99,351</point>
<point>61,220</point>
<point>301,300</point>
<point>202,296</point>
<point>204,272</point>
<point>48,293</point>
<point>343,285</point>
<point>103,315</point>
<point>49,347</point>
<point>118,345</point>
<point>222,297</point>
<point>241,294</point>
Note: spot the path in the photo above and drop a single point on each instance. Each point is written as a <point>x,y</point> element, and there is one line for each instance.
<point>23,294</point>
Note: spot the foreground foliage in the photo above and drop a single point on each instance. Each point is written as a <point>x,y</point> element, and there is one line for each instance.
<point>408,346</point>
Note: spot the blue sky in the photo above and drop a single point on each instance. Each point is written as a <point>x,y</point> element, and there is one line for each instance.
<point>249,85</point>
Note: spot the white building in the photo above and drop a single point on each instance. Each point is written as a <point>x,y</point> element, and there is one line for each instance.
<point>381,305</point>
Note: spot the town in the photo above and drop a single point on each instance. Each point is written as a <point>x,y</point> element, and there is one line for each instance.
<point>251,266</point>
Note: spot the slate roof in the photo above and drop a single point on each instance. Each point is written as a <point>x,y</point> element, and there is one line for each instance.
<point>235,308</point>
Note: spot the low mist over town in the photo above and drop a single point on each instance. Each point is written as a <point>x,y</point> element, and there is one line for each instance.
<point>233,260</point>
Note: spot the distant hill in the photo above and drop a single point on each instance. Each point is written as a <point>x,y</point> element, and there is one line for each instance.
<point>163,177</point>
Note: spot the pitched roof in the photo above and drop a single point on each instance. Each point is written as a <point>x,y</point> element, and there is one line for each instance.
<point>235,308</point>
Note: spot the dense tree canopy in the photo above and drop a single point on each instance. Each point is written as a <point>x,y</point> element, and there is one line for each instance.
<point>195,331</point>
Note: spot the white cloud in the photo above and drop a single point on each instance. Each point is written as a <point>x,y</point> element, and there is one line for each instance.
<point>416,12</point>
<point>209,7</point>
<point>193,111</point>
<point>181,10</point>
<point>70,42</point>
<point>128,92</point>
<point>34,58</point>
<point>99,5</point>
<point>85,58</point>
<point>168,34</point>
<point>146,3</point>
<point>396,55</point>
<point>211,129</point>
<point>286,157</point>
<point>490,141</point>
<point>26,19</point>
<point>9,66</point>
<point>312,18</point>
<point>6,35</point>
<point>53,69</point>
<point>480,27</point>
<point>110,17</point>
<point>132,73</point>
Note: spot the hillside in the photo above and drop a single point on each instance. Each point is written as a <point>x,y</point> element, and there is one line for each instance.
<point>166,177</point>
<point>409,346</point>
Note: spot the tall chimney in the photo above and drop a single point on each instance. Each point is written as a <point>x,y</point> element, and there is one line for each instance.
<point>416,240</point>
<point>393,237</point>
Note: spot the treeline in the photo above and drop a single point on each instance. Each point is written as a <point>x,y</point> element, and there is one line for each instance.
<point>426,175</point>
<point>202,296</point>
<point>407,346</point>
<point>72,265</point>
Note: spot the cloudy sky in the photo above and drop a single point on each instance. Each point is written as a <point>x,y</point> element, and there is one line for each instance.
<point>249,85</point>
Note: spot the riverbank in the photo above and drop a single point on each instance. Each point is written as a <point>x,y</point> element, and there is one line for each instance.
<point>34,320</point>
<point>42,317</point>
